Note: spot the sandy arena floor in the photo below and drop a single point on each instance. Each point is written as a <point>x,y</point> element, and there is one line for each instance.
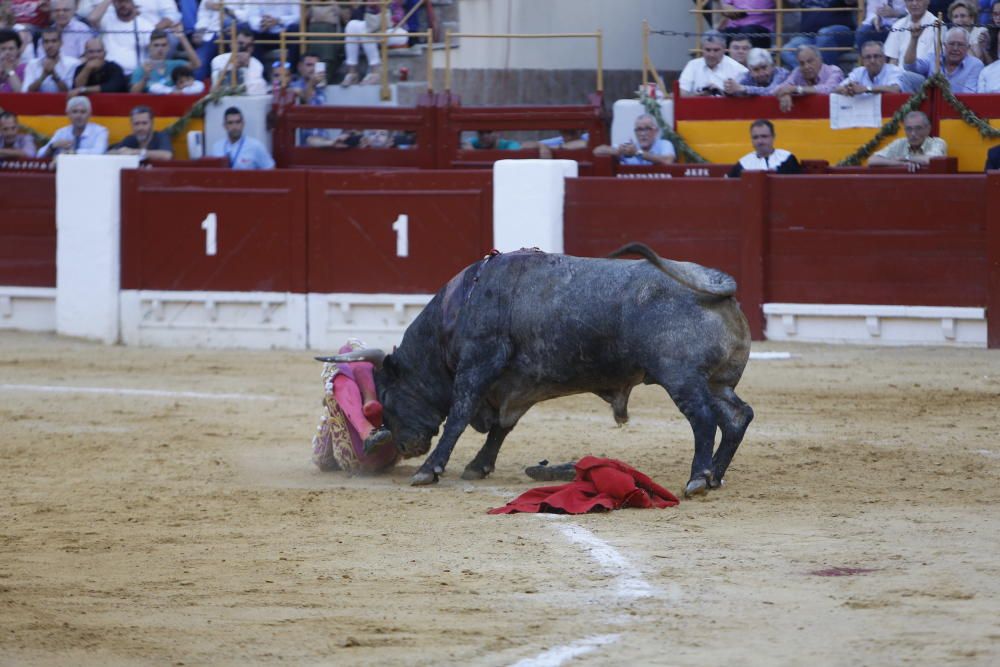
<point>174,530</point>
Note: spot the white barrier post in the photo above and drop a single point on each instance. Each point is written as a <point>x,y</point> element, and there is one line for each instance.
<point>528,198</point>
<point>88,231</point>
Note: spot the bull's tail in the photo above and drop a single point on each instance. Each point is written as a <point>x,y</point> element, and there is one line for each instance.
<point>693,276</point>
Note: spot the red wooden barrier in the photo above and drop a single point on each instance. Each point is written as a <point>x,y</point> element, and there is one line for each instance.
<point>28,229</point>
<point>357,222</point>
<point>844,239</point>
<point>420,121</point>
<point>259,222</point>
<point>454,119</point>
<point>992,225</point>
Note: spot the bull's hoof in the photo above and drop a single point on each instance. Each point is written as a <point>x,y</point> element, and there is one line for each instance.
<point>696,487</point>
<point>423,478</point>
<point>471,472</point>
<point>700,484</point>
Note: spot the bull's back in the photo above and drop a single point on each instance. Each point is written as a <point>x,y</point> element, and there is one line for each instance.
<point>576,322</point>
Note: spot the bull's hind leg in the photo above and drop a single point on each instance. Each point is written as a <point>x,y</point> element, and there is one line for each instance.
<point>734,416</point>
<point>693,398</point>
<point>486,458</point>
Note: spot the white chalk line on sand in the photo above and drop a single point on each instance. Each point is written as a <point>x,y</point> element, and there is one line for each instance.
<point>770,356</point>
<point>160,393</point>
<point>630,586</point>
<point>560,654</point>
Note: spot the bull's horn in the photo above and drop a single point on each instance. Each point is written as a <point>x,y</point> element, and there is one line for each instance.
<point>374,355</point>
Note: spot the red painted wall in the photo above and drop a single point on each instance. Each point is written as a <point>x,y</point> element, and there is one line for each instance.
<point>352,243</point>
<point>28,229</point>
<point>261,230</point>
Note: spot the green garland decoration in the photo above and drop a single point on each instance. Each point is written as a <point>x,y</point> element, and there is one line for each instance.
<point>197,110</point>
<point>652,107</point>
<point>968,115</point>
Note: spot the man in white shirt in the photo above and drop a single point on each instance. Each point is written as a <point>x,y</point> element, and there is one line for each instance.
<point>989,79</point>
<point>899,37</point>
<point>707,75</point>
<point>249,70</point>
<point>53,72</point>
<point>75,32</point>
<point>874,75</point>
<point>80,136</point>
<point>126,33</point>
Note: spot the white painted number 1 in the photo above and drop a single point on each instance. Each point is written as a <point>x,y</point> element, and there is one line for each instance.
<point>402,229</point>
<point>209,224</point>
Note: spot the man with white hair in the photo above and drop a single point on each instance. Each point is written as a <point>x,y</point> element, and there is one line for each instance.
<point>762,79</point>
<point>707,75</point>
<point>811,77</point>
<point>915,150</point>
<point>961,69</point>
<point>874,75</point>
<point>902,33</point>
<point>73,31</point>
<point>649,147</point>
<point>80,136</point>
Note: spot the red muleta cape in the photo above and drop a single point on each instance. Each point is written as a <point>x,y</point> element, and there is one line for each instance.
<point>600,485</point>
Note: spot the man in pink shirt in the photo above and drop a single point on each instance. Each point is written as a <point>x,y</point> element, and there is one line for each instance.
<point>739,18</point>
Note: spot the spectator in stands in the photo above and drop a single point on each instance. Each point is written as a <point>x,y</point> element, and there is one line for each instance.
<point>377,139</point>
<point>902,30</point>
<point>73,31</point>
<point>567,139</point>
<point>739,48</point>
<point>961,69</point>
<point>268,19</point>
<point>764,156</point>
<point>365,20</point>
<point>989,79</point>
<point>182,82</point>
<point>491,140</point>
<point>309,84</point>
<point>206,30</point>
<point>97,74</point>
<point>874,75</point>
<point>125,32</point>
<point>707,75</point>
<point>915,150</point>
<point>157,69</point>
<point>649,147</point>
<point>879,16</point>
<point>53,71</point>
<point>325,16</point>
<point>992,155</point>
<point>144,141</point>
<point>13,142</point>
<point>826,30</point>
<point>249,70</point>
<point>243,152</point>
<point>962,14</point>
<point>33,14</point>
<point>26,46</point>
<point>80,136</point>
<point>11,69</point>
<point>811,77</point>
<point>739,18</point>
<point>992,54</point>
<point>762,79</point>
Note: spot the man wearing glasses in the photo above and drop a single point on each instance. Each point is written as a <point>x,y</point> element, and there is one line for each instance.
<point>916,150</point>
<point>647,149</point>
<point>961,69</point>
<point>874,75</point>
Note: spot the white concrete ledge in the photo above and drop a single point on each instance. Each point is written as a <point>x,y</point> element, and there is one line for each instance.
<point>875,324</point>
<point>214,319</point>
<point>377,319</point>
<point>28,308</point>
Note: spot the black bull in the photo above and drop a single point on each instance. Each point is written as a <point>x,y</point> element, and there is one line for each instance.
<point>523,327</point>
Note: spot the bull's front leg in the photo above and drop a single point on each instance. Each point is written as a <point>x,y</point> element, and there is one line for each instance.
<point>458,420</point>
<point>486,459</point>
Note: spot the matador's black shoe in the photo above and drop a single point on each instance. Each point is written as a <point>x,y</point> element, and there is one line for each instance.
<point>543,472</point>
